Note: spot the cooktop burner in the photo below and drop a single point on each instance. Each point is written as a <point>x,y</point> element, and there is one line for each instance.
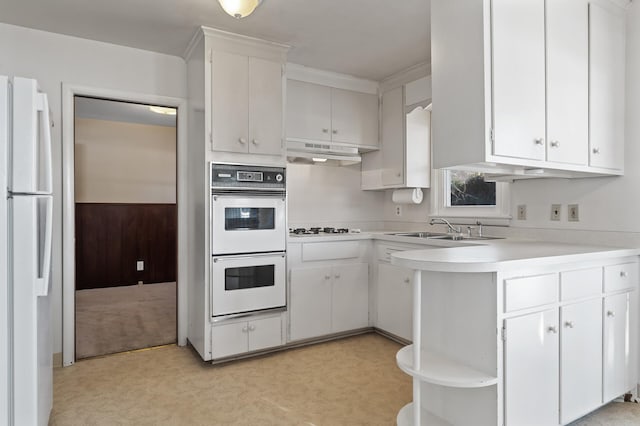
<point>320,231</point>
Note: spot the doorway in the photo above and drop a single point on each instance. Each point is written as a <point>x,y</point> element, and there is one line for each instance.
<point>125,205</point>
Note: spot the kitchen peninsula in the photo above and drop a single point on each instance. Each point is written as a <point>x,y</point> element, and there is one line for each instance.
<point>519,332</point>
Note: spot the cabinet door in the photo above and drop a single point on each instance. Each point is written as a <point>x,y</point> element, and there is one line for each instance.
<point>394,300</point>
<point>531,367</point>
<point>229,339</point>
<point>308,111</point>
<point>310,304</point>
<point>229,102</point>
<point>616,350</point>
<point>580,358</point>
<point>392,148</point>
<point>518,78</point>
<point>265,107</point>
<point>265,333</point>
<point>350,297</point>
<point>606,87</point>
<point>354,117</point>
<point>567,81</point>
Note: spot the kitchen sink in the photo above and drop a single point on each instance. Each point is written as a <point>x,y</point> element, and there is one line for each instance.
<point>440,236</point>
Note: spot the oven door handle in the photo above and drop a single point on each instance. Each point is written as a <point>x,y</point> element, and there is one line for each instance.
<point>249,194</point>
<point>217,258</point>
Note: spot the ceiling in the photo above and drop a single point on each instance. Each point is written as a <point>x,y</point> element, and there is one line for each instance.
<point>367,38</point>
<point>103,109</point>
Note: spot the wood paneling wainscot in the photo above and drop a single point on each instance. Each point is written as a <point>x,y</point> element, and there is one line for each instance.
<point>111,238</point>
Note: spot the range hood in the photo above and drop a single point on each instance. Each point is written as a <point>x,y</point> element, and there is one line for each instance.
<point>326,154</point>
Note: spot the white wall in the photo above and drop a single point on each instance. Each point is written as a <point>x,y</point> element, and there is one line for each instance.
<point>118,162</point>
<point>606,204</point>
<point>331,196</point>
<point>54,59</point>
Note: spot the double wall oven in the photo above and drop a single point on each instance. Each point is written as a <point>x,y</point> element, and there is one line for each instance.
<point>248,239</point>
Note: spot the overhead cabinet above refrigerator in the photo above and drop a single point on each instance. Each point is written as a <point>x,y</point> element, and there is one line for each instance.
<point>509,99</point>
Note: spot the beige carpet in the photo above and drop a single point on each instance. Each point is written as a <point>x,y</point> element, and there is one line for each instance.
<point>117,319</point>
<point>353,381</point>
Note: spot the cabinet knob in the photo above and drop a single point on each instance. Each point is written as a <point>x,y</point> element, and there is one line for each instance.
<point>335,132</point>
<point>407,280</point>
<point>623,274</point>
<point>555,144</point>
<point>596,150</point>
<point>325,130</point>
<point>552,329</point>
<point>327,277</point>
<point>255,142</point>
<point>252,328</point>
<point>242,140</point>
<point>568,324</point>
<point>611,314</point>
<point>337,276</point>
<point>244,329</point>
<point>539,141</point>
<point>398,174</point>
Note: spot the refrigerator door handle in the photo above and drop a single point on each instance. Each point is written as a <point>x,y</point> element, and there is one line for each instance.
<point>42,283</point>
<point>45,123</point>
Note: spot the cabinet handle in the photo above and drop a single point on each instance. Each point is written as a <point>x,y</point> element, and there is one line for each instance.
<point>596,150</point>
<point>252,328</point>
<point>255,142</point>
<point>327,277</point>
<point>539,141</point>
<point>623,274</point>
<point>555,144</point>
<point>552,329</point>
<point>337,276</point>
<point>242,140</point>
<point>568,324</point>
<point>335,132</point>
<point>325,130</point>
<point>407,280</point>
<point>611,314</point>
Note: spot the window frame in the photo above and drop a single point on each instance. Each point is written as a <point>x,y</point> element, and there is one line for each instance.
<point>489,215</point>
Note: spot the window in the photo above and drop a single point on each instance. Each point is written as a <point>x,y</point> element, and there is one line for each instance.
<point>467,196</point>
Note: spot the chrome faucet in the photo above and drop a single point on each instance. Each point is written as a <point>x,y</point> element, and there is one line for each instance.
<point>452,228</point>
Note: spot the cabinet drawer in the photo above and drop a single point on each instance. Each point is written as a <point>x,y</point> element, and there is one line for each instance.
<point>330,251</point>
<point>528,292</point>
<point>581,283</point>
<point>619,277</point>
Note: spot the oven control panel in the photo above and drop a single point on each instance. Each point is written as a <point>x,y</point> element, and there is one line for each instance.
<point>241,176</point>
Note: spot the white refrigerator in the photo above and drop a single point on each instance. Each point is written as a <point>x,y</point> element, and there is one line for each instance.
<point>26,385</point>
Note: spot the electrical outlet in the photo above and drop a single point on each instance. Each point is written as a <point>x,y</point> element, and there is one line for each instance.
<point>555,211</point>
<point>140,265</point>
<point>522,212</point>
<point>574,213</point>
<point>398,210</point>
<point>139,282</point>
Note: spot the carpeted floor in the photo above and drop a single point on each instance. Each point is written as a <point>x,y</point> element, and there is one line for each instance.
<point>352,381</point>
<point>117,319</point>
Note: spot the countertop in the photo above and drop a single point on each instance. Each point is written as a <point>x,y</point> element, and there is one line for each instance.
<point>504,255</point>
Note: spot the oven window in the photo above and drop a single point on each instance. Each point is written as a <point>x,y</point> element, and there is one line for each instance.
<point>249,277</point>
<point>249,218</point>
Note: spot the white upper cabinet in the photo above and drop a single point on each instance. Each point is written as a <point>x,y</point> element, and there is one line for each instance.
<point>246,99</point>
<point>530,88</point>
<point>322,113</point>
<point>518,78</point>
<point>606,87</point>
<point>567,81</point>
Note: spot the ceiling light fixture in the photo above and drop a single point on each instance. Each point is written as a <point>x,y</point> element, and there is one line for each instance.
<point>239,8</point>
<point>162,110</point>
<point>319,160</point>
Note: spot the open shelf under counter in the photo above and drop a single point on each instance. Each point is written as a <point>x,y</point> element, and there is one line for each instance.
<point>405,417</point>
<point>443,371</point>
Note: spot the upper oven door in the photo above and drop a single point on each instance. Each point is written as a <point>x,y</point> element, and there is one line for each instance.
<point>247,223</point>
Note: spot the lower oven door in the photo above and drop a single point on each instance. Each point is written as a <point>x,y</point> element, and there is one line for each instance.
<point>247,283</point>
<point>247,223</point>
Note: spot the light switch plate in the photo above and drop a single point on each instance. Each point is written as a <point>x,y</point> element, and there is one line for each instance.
<point>522,212</point>
<point>555,211</point>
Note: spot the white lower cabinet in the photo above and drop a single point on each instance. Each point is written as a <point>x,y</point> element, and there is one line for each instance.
<point>328,299</point>
<point>394,300</point>
<point>616,350</point>
<point>580,359</point>
<point>531,369</point>
<point>235,338</point>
